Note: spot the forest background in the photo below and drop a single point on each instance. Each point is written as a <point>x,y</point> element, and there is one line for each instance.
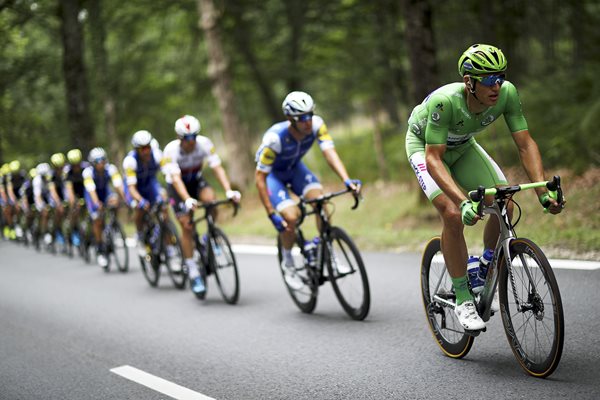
<point>85,73</point>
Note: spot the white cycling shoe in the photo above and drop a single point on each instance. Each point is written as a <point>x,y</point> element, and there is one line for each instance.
<point>339,266</point>
<point>468,317</point>
<point>291,276</point>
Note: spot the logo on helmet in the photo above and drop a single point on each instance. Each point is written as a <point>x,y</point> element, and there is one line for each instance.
<point>467,65</point>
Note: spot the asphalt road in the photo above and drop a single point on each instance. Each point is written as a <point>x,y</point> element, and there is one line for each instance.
<point>65,325</point>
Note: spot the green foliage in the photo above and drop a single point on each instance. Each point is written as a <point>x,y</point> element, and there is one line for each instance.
<point>351,58</point>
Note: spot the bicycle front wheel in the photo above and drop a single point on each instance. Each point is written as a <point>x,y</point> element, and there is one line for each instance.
<point>150,265</point>
<point>173,256</point>
<point>438,299</point>
<point>224,266</point>
<point>305,298</point>
<point>531,308</point>
<point>118,247</point>
<point>347,274</point>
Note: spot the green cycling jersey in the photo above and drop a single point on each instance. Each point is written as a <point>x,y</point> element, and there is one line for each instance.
<point>444,118</point>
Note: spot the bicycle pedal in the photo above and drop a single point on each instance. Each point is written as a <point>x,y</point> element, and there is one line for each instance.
<point>475,333</point>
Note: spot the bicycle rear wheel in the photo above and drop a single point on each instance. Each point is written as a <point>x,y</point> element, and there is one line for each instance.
<point>435,287</point>
<point>150,266</point>
<point>305,298</point>
<point>347,274</point>
<point>173,256</point>
<point>533,316</point>
<point>118,247</point>
<point>224,266</point>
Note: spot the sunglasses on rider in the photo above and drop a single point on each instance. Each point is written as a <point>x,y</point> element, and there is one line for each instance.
<point>98,160</point>
<point>303,117</point>
<point>490,80</point>
<point>189,137</point>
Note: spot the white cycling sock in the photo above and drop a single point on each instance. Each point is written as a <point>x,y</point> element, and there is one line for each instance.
<point>287,256</point>
<point>193,272</point>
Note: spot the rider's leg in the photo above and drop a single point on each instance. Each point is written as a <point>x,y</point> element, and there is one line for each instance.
<point>187,230</point>
<point>291,215</point>
<point>207,194</point>
<point>454,246</point>
<point>313,194</point>
<point>97,227</point>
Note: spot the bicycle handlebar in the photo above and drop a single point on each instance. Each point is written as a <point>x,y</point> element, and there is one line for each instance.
<point>323,198</point>
<point>502,192</point>
<point>213,204</point>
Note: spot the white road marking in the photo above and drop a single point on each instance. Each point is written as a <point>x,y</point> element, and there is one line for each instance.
<point>574,264</point>
<point>158,384</point>
<point>272,250</point>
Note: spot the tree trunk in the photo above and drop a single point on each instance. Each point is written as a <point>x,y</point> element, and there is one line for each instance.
<point>236,135</point>
<point>392,82</point>
<point>242,35</point>
<point>80,122</point>
<point>421,52</point>
<point>421,48</point>
<point>296,12</point>
<point>382,168</point>
<point>104,83</point>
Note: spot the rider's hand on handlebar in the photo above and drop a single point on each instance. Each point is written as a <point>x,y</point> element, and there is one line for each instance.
<point>233,195</point>
<point>467,214</point>
<point>354,185</point>
<point>550,203</point>
<point>143,204</point>
<point>190,203</point>
<point>278,222</point>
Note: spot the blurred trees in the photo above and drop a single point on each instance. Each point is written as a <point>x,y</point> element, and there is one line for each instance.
<point>366,63</point>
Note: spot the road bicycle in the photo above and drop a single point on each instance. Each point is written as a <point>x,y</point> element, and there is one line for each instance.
<point>162,246</point>
<point>530,301</point>
<point>113,237</point>
<point>215,254</point>
<point>337,260</point>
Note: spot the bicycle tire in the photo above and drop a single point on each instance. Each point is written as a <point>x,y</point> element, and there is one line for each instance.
<point>118,247</point>
<point>305,298</point>
<point>353,283</point>
<point>452,340</point>
<point>224,266</point>
<point>170,238</point>
<point>150,268</point>
<point>538,363</point>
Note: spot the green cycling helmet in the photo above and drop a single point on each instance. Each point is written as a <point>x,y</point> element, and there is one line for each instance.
<point>14,166</point>
<point>74,156</point>
<point>481,59</point>
<point>57,160</point>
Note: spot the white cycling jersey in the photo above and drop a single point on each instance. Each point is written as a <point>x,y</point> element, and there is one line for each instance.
<point>189,165</point>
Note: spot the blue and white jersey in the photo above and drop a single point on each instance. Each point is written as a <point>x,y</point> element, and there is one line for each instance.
<point>281,152</point>
<point>98,181</point>
<point>142,174</point>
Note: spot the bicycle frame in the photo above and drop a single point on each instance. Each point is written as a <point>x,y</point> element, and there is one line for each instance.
<point>210,221</point>
<point>507,234</point>
<point>324,232</point>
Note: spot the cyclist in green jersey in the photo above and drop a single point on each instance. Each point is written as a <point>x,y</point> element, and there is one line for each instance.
<point>448,162</point>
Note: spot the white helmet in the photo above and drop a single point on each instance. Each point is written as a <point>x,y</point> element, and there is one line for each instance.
<point>43,169</point>
<point>96,155</point>
<point>187,125</point>
<point>297,103</point>
<point>141,139</point>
